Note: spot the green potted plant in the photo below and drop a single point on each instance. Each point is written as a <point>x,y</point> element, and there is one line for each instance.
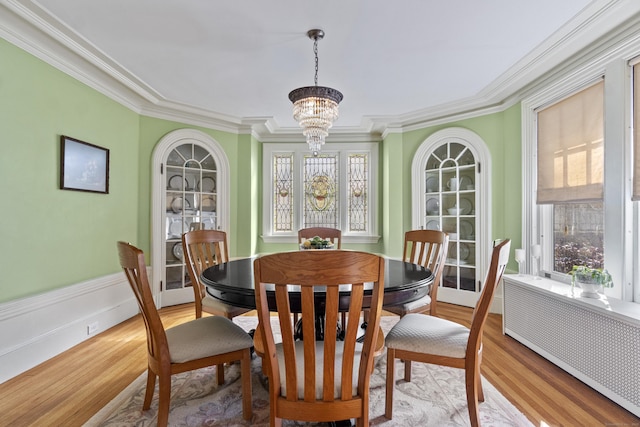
<point>590,280</point>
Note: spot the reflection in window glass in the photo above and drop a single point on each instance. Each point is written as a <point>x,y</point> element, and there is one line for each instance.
<point>199,153</point>
<point>578,235</point>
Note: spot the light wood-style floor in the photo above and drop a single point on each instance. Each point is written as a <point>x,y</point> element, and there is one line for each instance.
<point>68,389</point>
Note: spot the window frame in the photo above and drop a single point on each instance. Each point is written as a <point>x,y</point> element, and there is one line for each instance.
<point>299,150</point>
<point>621,214</point>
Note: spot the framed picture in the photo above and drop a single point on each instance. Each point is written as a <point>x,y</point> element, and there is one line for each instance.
<point>83,166</point>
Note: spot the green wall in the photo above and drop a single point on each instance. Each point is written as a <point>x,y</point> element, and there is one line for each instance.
<point>50,238</point>
<point>502,134</point>
<point>151,132</point>
<point>396,189</point>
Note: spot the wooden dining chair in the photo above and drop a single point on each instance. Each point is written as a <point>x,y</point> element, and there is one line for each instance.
<point>196,344</point>
<point>204,249</point>
<point>427,248</point>
<point>429,339</point>
<point>334,235</point>
<point>311,380</point>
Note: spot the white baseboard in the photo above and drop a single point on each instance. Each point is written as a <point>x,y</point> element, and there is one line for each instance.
<point>37,328</point>
<point>469,299</point>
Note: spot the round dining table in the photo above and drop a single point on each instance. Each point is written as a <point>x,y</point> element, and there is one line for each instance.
<point>232,282</point>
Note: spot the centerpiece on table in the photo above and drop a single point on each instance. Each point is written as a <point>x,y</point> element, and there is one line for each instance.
<point>316,243</point>
<point>590,280</point>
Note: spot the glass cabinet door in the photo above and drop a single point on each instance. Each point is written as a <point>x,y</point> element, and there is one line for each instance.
<point>190,204</point>
<point>450,195</point>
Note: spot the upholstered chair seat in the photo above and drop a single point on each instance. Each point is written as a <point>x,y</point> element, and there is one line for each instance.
<point>300,372</point>
<point>428,334</point>
<point>204,337</point>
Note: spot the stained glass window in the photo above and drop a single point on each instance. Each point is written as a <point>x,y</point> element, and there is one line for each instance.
<point>321,203</point>
<point>357,191</point>
<point>283,192</point>
<point>335,189</point>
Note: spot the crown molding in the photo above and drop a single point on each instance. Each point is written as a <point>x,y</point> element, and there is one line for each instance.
<point>187,114</point>
<point>33,29</point>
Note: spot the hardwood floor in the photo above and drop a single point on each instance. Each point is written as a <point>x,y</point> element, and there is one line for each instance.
<point>68,389</point>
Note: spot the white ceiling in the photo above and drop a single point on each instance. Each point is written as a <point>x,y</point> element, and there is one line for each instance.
<point>394,61</point>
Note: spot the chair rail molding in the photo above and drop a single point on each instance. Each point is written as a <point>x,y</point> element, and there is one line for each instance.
<point>37,328</point>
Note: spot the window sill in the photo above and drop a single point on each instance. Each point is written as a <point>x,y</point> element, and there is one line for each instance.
<point>624,311</point>
<point>345,239</point>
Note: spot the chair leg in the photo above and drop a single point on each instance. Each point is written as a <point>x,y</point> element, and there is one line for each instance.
<point>388,404</point>
<point>220,373</point>
<point>164,400</point>
<point>479,386</point>
<point>245,367</point>
<point>407,370</point>
<point>151,385</point>
<point>479,377</point>
<point>471,385</point>
<point>274,421</point>
<point>363,421</point>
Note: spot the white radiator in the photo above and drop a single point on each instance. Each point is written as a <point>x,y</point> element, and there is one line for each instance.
<point>597,341</point>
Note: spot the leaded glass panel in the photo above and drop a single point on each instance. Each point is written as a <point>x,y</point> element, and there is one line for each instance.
<point>283,192</point>
<point>320,183</point>
<point>357,197</point>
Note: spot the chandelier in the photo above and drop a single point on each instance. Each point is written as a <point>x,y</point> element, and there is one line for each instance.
<point>315,108</point>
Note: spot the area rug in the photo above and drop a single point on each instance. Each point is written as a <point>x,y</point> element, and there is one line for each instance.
<point>434,397</point>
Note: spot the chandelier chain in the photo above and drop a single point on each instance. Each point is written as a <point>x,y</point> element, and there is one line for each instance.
<point>315,51</point>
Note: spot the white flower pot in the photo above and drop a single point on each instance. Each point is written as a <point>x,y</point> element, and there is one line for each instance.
<point>590,290</point>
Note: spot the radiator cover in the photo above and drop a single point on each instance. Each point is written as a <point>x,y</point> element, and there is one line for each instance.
<point>589,339</point>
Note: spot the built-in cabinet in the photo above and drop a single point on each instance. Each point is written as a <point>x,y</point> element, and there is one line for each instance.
<point>190,176</point>
<point>449,194</point>
<point>190,195</point>
<point>450,178</point>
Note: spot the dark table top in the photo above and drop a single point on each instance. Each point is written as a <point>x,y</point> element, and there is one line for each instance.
<point>232,282</point>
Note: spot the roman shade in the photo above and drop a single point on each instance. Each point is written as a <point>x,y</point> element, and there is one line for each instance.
<point>570,148</point>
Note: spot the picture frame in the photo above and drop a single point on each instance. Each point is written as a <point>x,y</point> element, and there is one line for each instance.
<point>83,166</point>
